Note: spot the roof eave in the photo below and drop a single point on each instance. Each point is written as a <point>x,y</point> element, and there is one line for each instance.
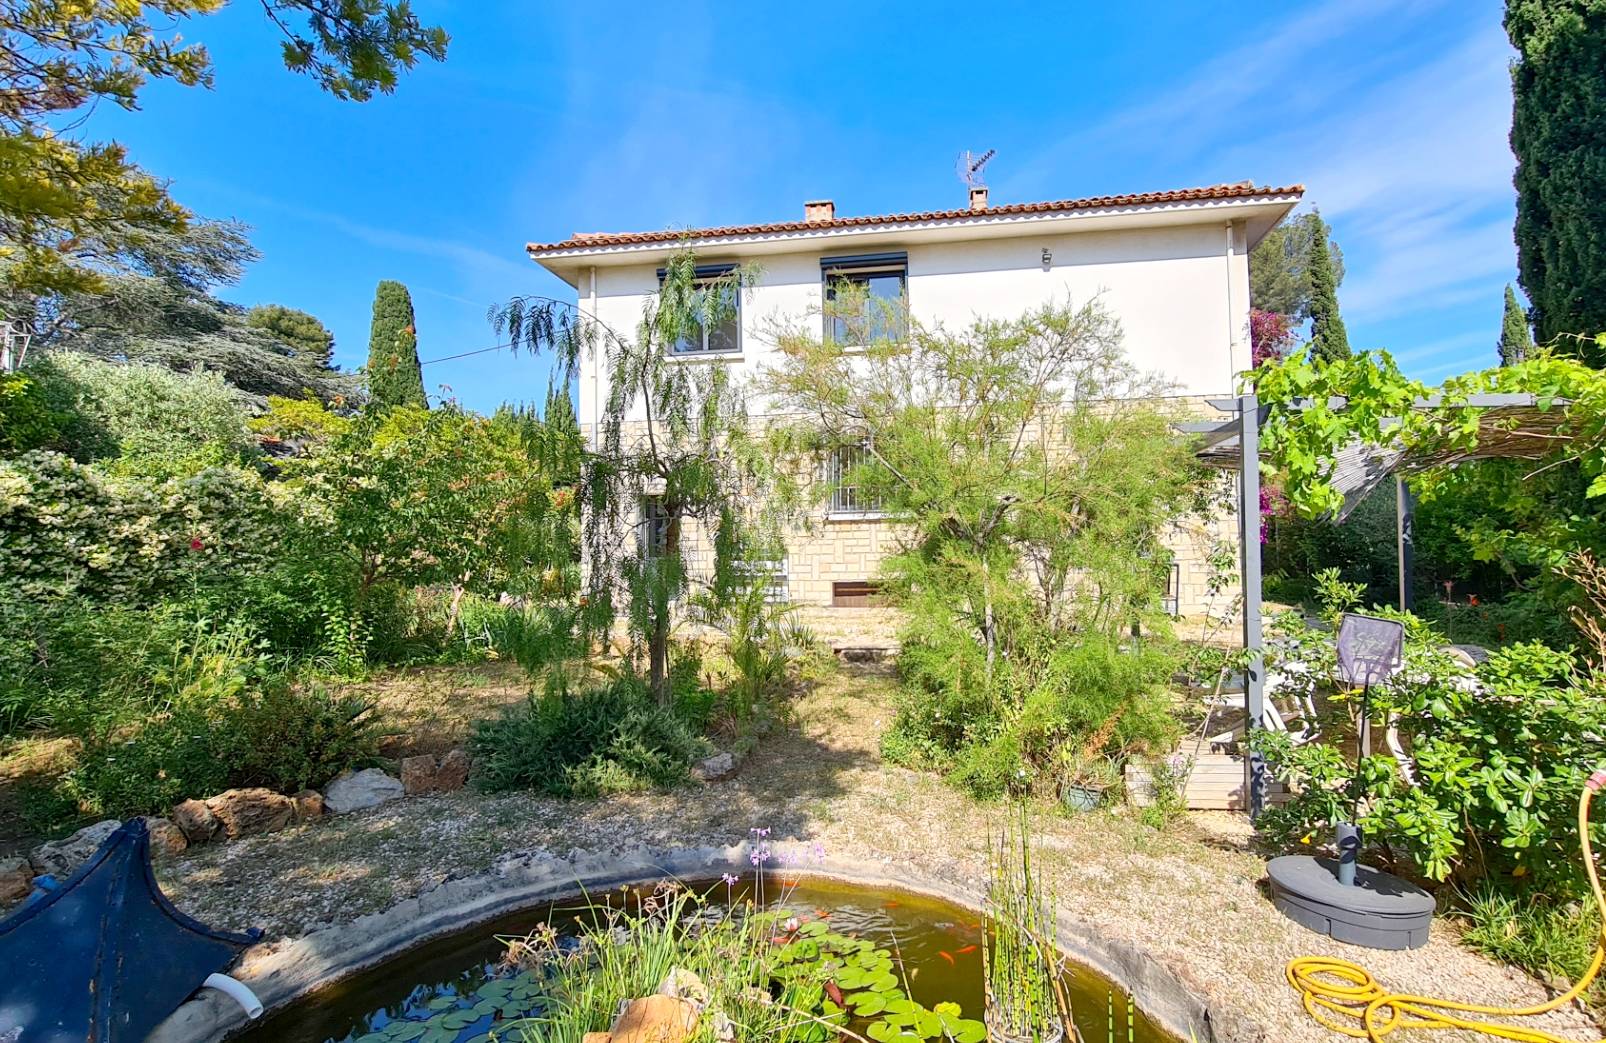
<point>565,255</point>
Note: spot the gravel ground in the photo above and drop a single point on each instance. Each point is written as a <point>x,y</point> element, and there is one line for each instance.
<point>1192,897</point>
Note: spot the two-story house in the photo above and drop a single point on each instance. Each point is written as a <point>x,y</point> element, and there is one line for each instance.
<point>1173,267</point>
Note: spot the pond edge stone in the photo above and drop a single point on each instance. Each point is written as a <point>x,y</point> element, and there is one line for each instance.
<point>287,971</point>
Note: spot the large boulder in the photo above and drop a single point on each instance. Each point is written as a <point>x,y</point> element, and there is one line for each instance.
<point>16,880</point>
<point>244,812</point>
<point>60,857</point>
<point>353,791</point>
<point>196,821</point>
<point>418,774</point>
<point>166,838</point>
<point>453,773</point>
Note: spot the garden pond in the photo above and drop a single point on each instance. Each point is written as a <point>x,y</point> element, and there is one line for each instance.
<point>916,955</point>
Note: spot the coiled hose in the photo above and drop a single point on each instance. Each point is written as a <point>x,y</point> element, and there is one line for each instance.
<point>1346,998</point>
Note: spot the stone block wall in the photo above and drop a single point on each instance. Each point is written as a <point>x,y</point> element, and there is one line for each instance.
<point>823,551</point>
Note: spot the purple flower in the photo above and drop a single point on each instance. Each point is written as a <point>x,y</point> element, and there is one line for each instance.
<point>760,832</point>
<point>730,879</point>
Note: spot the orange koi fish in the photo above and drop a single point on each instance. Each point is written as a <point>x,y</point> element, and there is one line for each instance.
<point>947,956</point>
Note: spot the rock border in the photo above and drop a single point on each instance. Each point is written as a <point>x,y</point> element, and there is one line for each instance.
<point>289,971</point>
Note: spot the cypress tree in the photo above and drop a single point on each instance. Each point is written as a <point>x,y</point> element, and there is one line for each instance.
<point>394,375</point>
<point>1515,344</point>
<point>1558,132</point>
<point>1328,338</point>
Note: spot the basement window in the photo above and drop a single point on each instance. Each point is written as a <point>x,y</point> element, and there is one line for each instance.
<point>857,593</point>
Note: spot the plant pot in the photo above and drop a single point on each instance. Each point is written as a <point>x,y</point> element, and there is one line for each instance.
<point>1082,798</point>
<point>996,1034</point>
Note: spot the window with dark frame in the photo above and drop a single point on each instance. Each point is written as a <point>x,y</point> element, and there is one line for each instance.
<point>884,281</point>
<point>654,532</point>
<point>724,337</point>
<point>846,497</point>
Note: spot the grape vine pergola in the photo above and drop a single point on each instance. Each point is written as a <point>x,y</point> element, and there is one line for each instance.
<point>1511,425</point>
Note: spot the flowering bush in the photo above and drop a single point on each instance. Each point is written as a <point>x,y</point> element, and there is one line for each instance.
<point>1271,335</point>
<point>67,529</point>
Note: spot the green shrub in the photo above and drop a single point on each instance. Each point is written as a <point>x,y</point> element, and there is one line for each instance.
<point>68,530</point>
<point>1497,764</point>
<point>148,768</point>
<point>1054,721</point>
<point>289,737</point>
<point>608,739</point>
<point>154,421</point>
<point>218,735</point>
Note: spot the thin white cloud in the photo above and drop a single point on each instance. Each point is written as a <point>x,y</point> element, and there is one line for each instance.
<point>1265,82</point>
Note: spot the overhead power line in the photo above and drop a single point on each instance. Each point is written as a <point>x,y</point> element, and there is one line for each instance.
<point>465,354</point>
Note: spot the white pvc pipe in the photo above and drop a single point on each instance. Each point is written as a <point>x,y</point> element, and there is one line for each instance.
<point>235,991</point>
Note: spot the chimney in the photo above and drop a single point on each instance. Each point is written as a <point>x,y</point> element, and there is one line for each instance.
<point>818,210</point>
<point>978,197</point>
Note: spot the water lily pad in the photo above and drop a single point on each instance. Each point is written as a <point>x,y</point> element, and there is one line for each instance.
<point>867,1003</point>
<point>967,1030</point>
<point>459,1019</point>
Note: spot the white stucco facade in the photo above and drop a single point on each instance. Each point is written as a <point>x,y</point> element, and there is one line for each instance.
<point>1174,271</point>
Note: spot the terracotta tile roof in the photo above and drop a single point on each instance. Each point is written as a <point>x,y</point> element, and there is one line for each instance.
<point>1240,190</point>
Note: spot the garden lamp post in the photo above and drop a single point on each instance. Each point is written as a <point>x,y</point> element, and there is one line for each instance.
<point>1369,651</point>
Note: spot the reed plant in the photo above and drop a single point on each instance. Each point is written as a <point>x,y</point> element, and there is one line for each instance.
<point>1025,993</point>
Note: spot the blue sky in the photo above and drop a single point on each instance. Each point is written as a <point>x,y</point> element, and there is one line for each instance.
<point>547,119</point>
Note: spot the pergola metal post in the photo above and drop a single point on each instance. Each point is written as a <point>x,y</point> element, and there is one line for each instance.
<point>1255,782</point>
<point>1405,535</point>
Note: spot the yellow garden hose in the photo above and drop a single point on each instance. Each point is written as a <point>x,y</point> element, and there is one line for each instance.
<point>1336,989</point>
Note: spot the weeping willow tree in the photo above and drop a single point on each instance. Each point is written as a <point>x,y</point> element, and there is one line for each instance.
<point>671,451</point>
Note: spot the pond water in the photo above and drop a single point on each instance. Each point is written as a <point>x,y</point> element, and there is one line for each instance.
<point>939,944</point>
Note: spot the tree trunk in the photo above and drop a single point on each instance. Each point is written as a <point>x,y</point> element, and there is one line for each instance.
<point>658,641</point>
<point>457,604</point>
<point>989,627</point>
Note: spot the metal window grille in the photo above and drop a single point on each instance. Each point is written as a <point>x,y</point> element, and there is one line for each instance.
<point>847,498</point>
<point>771,575</point>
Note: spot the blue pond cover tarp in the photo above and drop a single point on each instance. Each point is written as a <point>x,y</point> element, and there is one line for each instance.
<point>106,957</point>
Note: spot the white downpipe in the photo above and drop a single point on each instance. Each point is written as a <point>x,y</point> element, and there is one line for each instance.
<point>1232,311</point>
<point>236,991</point>
<point>596,366</point>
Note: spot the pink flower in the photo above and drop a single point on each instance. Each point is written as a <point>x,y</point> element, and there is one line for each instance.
<point>195,543</point>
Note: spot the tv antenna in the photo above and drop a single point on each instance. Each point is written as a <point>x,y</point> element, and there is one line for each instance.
<point>969,167</point>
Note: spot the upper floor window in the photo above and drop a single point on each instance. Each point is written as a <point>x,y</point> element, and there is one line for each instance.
<point>878,287</point>
<point>719,328</point>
